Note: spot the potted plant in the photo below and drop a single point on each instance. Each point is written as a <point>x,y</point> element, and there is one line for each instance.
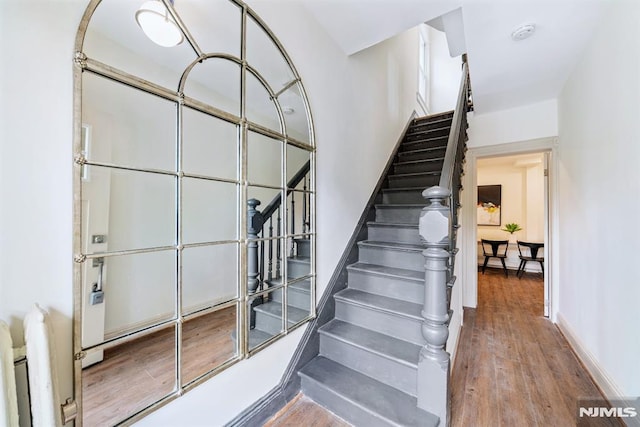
<point>512,227</point>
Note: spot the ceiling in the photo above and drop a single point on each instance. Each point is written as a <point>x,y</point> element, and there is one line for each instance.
<point>504,73</point>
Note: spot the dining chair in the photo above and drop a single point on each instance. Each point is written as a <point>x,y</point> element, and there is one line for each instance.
<point>528,251</point>
<point>494,249</point>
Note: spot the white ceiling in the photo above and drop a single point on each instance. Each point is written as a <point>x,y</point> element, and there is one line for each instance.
<point>504,73</point>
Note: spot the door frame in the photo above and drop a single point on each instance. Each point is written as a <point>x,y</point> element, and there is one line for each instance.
<point>470,226</point>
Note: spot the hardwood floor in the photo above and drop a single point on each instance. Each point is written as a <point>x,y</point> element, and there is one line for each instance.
<point>136,374</point>
<point>514,367</point>
<point>304,412</point>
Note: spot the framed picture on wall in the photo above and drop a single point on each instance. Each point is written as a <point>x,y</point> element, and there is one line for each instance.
<point>489,202</point>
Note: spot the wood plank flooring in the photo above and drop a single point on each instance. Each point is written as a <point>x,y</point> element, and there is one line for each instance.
<point>304,412</point>
<point>514,367</point>
<point>136,374</point>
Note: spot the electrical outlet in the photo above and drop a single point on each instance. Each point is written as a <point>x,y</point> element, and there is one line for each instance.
<point>97,297</point>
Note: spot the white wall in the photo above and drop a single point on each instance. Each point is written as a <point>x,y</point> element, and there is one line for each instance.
<point>445,73</point>
<point>360,105</point>
<point>35,167</point>
<point>598,188</point>
<point>524,123</point>
<point>522,196</point>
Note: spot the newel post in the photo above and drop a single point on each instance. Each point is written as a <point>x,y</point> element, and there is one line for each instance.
<point>434,362</point>
<point>255,221</point>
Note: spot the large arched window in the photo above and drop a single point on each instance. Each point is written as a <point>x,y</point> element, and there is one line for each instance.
<point>194,199</point>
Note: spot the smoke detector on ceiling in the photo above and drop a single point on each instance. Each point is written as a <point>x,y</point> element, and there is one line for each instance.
<point>523,32</point>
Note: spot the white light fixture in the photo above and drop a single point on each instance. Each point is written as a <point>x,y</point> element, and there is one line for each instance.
<point>158,25</point>
<point>523,32</point>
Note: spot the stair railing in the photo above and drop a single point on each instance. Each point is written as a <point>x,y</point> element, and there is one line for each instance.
<point>260,232</point>
<point>438,228</point>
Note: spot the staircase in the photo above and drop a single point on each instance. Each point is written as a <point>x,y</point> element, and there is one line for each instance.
<point>268,314</point>
<point>366,370</point>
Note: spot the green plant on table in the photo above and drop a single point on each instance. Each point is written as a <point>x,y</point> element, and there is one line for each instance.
<point>512,227</point>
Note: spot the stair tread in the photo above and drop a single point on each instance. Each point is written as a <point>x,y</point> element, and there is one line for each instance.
<point>415,162</point>
<point>400,205</point>
<point>413,174</point>
<point>298,258</point>
<point>421,150</point>
<point>274,309</point>
<point>386,346</point>
<point>395,190</point>
<point>423,137</point>
<point>256,337</point>
<point>381,303</point>
<point>381,270</point>
<point>303,285</point>
<point>416,132</point>
<point>391,224</point>
<point>373,396</point>
<point>409,247</point>
<point>434,116</point>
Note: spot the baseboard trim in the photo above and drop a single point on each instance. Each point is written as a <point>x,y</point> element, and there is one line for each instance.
<point>603,381</point>
<point>309,346</point>
<point>608,387</point>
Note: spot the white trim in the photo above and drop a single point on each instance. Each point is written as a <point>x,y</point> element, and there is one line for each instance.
<point>454,352</point>
<point>602,379</point>
<point>468,214</point>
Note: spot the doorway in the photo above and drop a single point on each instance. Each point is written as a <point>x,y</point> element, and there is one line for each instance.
<point>514,211</point>
<point>524,155</point>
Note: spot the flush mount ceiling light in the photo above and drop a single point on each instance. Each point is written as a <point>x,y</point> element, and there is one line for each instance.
<point>523,32</point>
<point>158,25</point>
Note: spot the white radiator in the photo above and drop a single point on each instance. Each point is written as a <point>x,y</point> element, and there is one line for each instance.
<point>43,378</point>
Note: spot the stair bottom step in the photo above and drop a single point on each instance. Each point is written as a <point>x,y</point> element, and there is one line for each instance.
<point>360,399</point>
<point>256,337</point>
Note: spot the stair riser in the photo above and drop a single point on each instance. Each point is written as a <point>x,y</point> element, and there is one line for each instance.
<point>435,166</point>
<point>398,215</point>
<point>392,287</point>
<point>303,247</point>
<point>269,324</point>
<point>399,197</point>
<point>343,408</point>
<point>417,181</point>
<point>441,122</point>
<point>421,144</point>
<point>297,269</point>
<point>403,328</point>
<point>390,372</point>
<point>392,258</point>
<point>295,297</point>
<point>398,234</point>
<point>420,155</point>
<point>431,133</point>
